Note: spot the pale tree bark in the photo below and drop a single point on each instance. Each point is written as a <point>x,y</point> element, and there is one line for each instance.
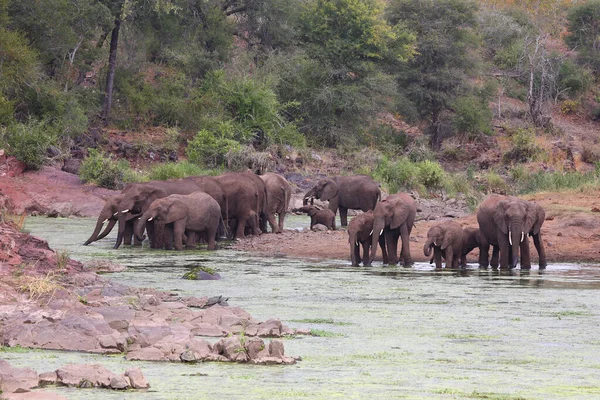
<point>110,76</point>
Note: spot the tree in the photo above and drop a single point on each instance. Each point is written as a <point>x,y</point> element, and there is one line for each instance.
<point>584,32</point>
<point>438,73</point>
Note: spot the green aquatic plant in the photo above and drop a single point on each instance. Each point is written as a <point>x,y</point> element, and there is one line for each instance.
<point>322,333</point>
<point>194,274</point>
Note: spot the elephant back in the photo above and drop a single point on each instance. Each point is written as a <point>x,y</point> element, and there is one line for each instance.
<point>359,192</point>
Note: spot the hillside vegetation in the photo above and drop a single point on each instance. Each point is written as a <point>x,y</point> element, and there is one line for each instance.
<point>449,96</point>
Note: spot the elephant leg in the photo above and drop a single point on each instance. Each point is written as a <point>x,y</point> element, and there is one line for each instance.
<point>211,232</point>
<point>150,229</point>
<point>167,233</point>
<point>449,257</point>
<point>128,234</point>
<point>241,226</point>
<point>343,216</point>
<point>281,218</point>
<point>539,246</point>
<point>405,245</point>
<point>178,234</point>
<point>495,257</point>
<point>189,238</point>
<point>391,240</point>
<point>525,256</point>
<point>484,254</point>
<point>384,253</point>
<point>437,257</point>
<point>505,251</point>
<point>273,223</point>
<point>366,246</point>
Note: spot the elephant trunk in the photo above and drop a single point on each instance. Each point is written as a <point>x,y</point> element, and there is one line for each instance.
<point>377,231</point>
<point>123,217</point>
<point>515,237</point>
<point>310,195</point>
<point>353,249</point>
<point>427,247</point>
<point>99,223</point>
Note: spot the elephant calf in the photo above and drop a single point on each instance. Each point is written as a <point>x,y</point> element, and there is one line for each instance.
<point>318,216</point>
<point>446,240</point>
<point>471,239</point>
<point>360,232</point>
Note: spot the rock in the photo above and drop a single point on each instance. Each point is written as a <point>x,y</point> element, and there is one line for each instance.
<point>148,332</point>
<point>202,274</point>
<point>48,378</point>
<point>16,379</point>
<point>117,317</point>
<point>270,328</point>
<point>146,354</point>
<point>188,356</point>
<point>232,349</point>
<point>204,329</point>
<point>119,382</point>
<point>137,378</point>
<point>255,347</point>
<point>276,349</point>
<point>319,228</point>
<point>35,395</point>
<point>82,375</point>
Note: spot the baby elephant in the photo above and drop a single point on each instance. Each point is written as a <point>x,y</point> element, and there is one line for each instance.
<point>446,239</point>
<point>360,232</point>
<point>318,216</point>
<point>472,238</point>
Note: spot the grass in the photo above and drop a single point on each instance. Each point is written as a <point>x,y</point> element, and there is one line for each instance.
<point>329,321</point>
<point>62,258</point>
<point>15,349</point>
<point>322,333</point>
<point>38,286</point>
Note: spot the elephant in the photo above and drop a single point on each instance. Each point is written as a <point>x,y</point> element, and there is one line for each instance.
<point>210,186</point>
<point>318,216</point>
<point>108,214</point>
<point>447,240</point>
<point>505,222</point>
<point>243,196</point>
<point>471,239</point>
<point>394,217</point>
<point>138,198</point>
<point>183,217</point>
<point>360,231</point>
<point>279,192</point>
<point>356,192</point>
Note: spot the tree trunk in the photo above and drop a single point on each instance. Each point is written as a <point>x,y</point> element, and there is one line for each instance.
<point>112,66</point>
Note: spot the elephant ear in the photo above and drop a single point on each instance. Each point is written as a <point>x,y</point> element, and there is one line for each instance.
<point>176,211</point>
<point>499,213</point>
<point>153,195</point>
<point>330,190</point>
<point>399,216</point>
<point>535,218</point>
<point>446,242</point>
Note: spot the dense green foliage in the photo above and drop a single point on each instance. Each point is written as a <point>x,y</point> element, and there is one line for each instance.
<point>229,80</point>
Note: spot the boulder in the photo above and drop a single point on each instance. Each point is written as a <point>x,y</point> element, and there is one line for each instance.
<point>16,379</point>
<point>276,349</point>
<point>84,375</point>
<point>146,354</point>
<point>270,328</point>
<point>119,382</point>
<point>148,332</point>
<point>137,378</point>
<point>204,329</point>
<point>48,378</point>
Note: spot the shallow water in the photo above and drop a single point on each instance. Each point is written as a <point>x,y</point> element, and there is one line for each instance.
<point>389,332</point>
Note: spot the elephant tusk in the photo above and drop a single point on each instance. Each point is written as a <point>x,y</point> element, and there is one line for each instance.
<point>522,236</point>
<point>115,214</point>
<point>124,211</point>
<point>509,239</point>
<point>357,243</point>
<point>150,219</point>
<point>380,232</point>
<point>435,244</point>
<point>371,232</point>
<point>104,221</point>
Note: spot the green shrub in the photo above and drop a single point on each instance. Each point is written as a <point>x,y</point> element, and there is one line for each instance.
<point>569,107</point>
<point>209,150</point>
<point>554,181</point>
<point>430,174</point>
<point>29,142</point>
<point>518,173</point>
<point>183,169</point>
<point>573,78</point>
<point>103,171</point>
<point>419,150</point>
<point>396,175</point>
<point>472,116</point>
<point>590,154</point>
<point>523,148</point>
<point>493,183</point>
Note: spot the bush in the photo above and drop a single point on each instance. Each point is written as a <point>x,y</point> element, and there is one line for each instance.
<point>472,116</point>
<point>524,148</point>
<point>573,78</point>
<point>396,175</point>
<point>103,171</point>
<point>241,159</point>
<point>209,150</point>
<point>494,183</point>
<point>569,107</point>
<point>165,171</point>
<point>431,174</point>
<point>29,142</point>
<point>590,154</point>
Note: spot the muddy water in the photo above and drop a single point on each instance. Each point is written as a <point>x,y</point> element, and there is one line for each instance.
<point>387,332</point>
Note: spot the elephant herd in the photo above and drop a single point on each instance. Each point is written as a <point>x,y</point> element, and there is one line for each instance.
<point>178,212</point>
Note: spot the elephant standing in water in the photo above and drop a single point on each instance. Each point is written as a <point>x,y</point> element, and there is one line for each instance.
<point>356,192</point>
<point>446,239</point>
<point>183,216</point>
<point>394,217</point>
<point>279,193</point>
<point>506,222</point>
<point>360,232</point>
<point>108,214</point>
